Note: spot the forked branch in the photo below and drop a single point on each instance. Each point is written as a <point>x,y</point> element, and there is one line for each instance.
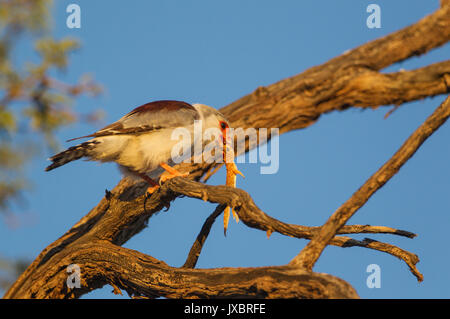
<point>250,214</point>
<point>310,254</point>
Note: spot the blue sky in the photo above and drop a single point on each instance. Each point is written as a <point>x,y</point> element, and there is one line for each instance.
<point>214,53</point>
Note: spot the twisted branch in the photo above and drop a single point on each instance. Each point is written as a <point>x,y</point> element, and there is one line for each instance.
<point>196,248</point>
<point>250,214</point>
<point>309,255</point>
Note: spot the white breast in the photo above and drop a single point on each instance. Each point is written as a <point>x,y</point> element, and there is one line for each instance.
<point>142,153</point>
<point>145,152</point>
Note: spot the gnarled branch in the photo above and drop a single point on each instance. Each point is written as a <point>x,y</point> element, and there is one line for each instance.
<point>141,275</point>
<point>49,267</point>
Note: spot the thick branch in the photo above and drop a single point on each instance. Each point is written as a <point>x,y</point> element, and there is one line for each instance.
<point>298,102</point>
<point>141,275</point>
<point>196,248</point>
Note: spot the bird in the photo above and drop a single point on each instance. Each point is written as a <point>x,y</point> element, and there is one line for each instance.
<point>141,142</point>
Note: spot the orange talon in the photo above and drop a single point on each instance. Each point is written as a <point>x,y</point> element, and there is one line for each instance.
<point>170,173</point>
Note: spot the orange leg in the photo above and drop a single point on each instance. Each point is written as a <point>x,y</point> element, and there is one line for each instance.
<point>153,185</point>
<point>171,173</point>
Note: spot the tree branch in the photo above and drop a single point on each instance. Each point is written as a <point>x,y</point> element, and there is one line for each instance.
<point>141,275</point>
<point>309,255</point>
<point>250,214</point>
<point>196,248</point>
<point>44,268</point>
<point>298,101</point>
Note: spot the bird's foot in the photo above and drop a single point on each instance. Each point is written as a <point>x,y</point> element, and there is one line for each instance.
<point>166,176</point>
<point>153,186</point>
<point>170,173</point>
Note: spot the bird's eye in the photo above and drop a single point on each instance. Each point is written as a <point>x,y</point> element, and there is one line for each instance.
<point>223,125</point>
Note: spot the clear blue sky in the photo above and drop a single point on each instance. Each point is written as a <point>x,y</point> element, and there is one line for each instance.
<point>215,52</point>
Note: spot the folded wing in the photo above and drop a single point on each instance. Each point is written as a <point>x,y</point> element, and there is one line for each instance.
<point>150,117</point>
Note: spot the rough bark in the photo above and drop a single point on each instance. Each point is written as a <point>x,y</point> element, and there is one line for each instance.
<point>141,275</point>
<point>352,79</point>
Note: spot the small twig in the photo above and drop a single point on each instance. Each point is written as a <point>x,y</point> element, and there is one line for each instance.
<point>368,229</point>
<point>196,248</point>
<point>212,170</point>
<point>409,258</point>
<point>394,108</point>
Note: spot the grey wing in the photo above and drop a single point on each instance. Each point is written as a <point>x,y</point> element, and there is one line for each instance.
<point>150,117</point>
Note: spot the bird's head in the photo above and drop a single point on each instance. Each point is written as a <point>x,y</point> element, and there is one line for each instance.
<point>213,119</point>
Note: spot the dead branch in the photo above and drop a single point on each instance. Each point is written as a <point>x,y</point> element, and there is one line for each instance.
<point>250,214</point>
<point>196,248</point>
<point>141,275</point>
<point>309,255</point>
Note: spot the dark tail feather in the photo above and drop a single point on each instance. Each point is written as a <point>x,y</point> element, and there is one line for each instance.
<point>71,154</point>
